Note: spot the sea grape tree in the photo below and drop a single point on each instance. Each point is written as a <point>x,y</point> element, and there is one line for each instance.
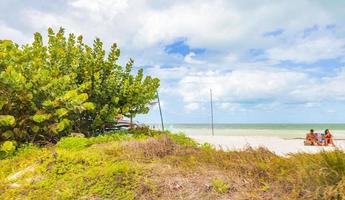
<point>48,90</point>
<point>135,92</point>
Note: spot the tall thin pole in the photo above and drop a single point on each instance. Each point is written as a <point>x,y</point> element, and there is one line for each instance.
<point>212,113</point>
<point>160,111</point>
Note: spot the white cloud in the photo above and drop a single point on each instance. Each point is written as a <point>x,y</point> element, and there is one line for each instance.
<point>221,24</point>
<point>170,73</point>
<point>100,6</point>
<point>309,50</point>
<point>192,106</point>
<point>231,58</point>
<point>312,104</point>
<point>142,28</point>
<point>189,58</point>
<point>240,85</point>
<point>9,33</point>
<point>269,86</point>
<point>228,30</point>
<point>231,106</point>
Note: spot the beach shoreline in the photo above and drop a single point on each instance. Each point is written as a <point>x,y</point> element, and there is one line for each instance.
<point>278,145</point>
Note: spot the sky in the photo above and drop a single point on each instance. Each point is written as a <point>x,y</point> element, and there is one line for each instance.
<point>265,61</point>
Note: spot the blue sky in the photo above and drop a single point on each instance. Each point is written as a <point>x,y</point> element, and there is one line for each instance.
<point>266,61</point>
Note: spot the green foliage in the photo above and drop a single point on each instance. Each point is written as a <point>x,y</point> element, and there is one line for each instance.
<point>335,163</point>
<point>112,136</point>
<point>125,177</point>
<point>207,146</point>
<point>220,186</point>
<point>48,89</point>
<point>135,90</point>
<point>75,172</point>
<point>61,112</point>
<point>183,140</point>
<point>88,106</point>
<point>7,120</point>
<point>73,143</point>
<point>145,130</point>
<point>79,143</point>
<point>40,117</point>
<point>7,148</point>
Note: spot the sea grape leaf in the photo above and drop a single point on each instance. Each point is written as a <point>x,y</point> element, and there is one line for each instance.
<point>40,117</point>
<point>7,120</point>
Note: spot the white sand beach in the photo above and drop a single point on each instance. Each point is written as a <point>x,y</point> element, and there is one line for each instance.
<point>278,145</point>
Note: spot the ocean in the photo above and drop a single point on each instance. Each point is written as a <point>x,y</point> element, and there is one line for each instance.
<point>287,131</point>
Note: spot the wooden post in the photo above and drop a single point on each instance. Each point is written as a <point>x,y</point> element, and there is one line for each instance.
<point>211,113</point>
<point>131,122</point>
<point>160,111</point>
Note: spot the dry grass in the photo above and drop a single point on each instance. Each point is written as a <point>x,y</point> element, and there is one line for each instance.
<point>159,168</point>
<point>150,148</point>
<point>187,172</point>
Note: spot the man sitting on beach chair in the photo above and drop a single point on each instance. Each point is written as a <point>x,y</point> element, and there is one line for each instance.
<point>310,138</point>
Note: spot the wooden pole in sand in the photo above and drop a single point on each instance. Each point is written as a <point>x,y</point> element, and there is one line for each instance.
<point>211,113</point>
<point>160,111</point>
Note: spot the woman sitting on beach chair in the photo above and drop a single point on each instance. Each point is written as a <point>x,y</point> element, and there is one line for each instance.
<point>328,138</point>
<point>310,138</point>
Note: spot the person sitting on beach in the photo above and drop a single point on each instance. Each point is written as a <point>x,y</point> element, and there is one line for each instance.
<point>318,139</point>
<point>310,138</point>
<point>328,138</point>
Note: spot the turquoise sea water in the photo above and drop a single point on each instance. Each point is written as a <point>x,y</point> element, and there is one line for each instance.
<point>275,130</point>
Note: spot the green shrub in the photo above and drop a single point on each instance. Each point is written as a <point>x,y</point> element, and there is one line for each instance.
<point>110,136</point>
<point>7,148</point>
<point>79,143</point>
<point>334,163</point>
<point>207,146</point>
<point>28,149</point>
<point>183,140</point>
<point>220,186</point>
<point>145,130</point>
<point>55,85</point>
<point>73,143</point>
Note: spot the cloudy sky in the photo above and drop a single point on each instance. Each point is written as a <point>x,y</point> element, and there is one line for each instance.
<point>266,61</point>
